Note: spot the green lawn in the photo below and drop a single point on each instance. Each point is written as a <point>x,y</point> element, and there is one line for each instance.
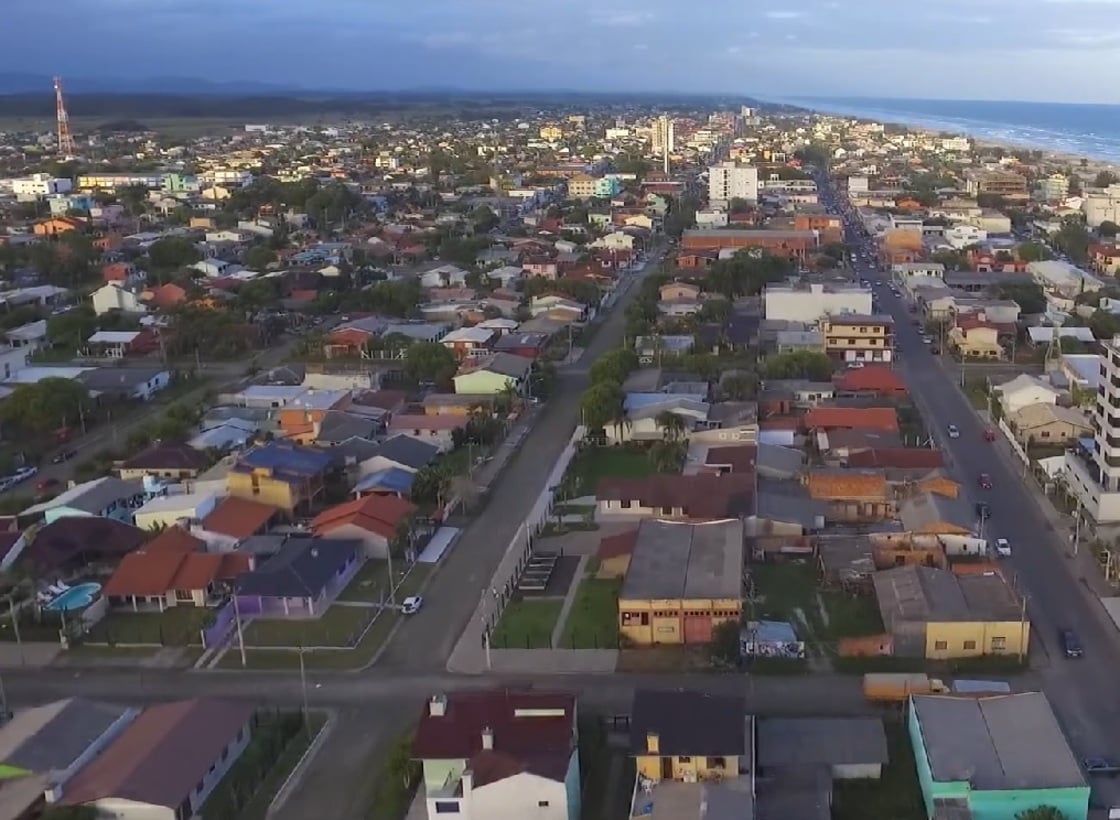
<point>788,592</point>
<point>527,624</point>
<point>338,626</point>
<point>593,618</point>
<point>371,583</point>
<point>592,464</point>
<point>897,795</point>
<point>178,626</point>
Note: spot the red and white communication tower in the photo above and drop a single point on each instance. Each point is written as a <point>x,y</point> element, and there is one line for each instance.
<point>65,140</point>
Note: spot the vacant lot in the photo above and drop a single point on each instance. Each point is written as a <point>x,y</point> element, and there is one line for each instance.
<point>527,624</point>
<point>593,618</point>
<point>593,464</point>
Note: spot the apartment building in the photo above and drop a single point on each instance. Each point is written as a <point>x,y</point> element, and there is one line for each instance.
<point>1053,188</point>
<point>858,338</point>
<point>808,304</point>
<point>1006,184</point>
<point>1092,472</point>
<point>728,181</point>
<point>1101,205</point>
<point>662,136</point>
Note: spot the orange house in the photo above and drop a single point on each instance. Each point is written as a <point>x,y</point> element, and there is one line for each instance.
<point>300,420</point>
<point>830,227</point>
<point>57,226</point>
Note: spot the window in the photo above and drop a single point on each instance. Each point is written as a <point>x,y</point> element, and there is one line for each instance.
<point>999,644</point>
<point>717,762</point>
<point>683,759</point>
<point>940,646</point>
<point>447,807</point>
<point>969,645</point>
<point>542,804</point>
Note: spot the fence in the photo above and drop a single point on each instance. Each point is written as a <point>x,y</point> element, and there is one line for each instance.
<point>217,632</point>
<point>1016,448</point>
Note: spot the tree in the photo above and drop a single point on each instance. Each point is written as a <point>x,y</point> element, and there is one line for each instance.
<point>1033,252</point>
<point>45,405</point>
<point>1073,240</point>
<point>1041,813</point>
<point>724,648</point>
<point>738,386</point>
<point>429,362</point>
<point>1028,295</point>
<point>484,219</point>
<point>799,364</point>
<point>172,253</point>
<point>258,293</point>
<point>430,485</point>
<point>600,405</point>
<point>1108,229</point>
<point>614,366</point>
<point>70,330</point>
<point>1104,179</point>
<point>668,456</point>
<point>671,425</point>
<point>259,257</point>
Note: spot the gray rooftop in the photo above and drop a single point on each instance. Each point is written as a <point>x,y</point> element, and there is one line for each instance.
<point>674,560</point>
<point>926,594</point>
<point>926,511</point>
<point>1002,742</point>
<point>50,738</point>
<point>825,741</point>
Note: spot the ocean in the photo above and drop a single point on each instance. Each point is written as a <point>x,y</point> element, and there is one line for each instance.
<point>1074,128</point>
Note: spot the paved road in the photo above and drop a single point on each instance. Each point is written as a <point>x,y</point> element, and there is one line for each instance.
<point>1083,690</point>
<point>425,641</point>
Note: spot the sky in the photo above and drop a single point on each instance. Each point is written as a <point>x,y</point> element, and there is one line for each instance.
<point>1060,50</point>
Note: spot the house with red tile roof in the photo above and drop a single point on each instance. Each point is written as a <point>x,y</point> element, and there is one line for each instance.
<point>238,518</point>
<point>698,497</point>
<point>166,762</point>
<point>897,458</point>
<point>874,379</point>
<point>851,418</point>
<point>504,753</point>
<point>375,520</point>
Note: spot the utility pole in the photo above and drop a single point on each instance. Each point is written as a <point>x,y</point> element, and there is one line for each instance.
<point>303,684</point>
<point>240,634</point>
<point>1023,628</point>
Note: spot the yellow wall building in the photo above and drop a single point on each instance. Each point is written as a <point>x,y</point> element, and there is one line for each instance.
<point>708,744</point>
<point>859,338</point>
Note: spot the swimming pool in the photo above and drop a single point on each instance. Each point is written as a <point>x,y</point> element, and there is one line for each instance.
<point>76,597</point>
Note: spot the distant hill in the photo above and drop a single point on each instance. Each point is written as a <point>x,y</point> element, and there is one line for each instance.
<point>22,83</point>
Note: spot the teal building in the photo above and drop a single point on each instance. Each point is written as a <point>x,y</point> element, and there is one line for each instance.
<point>997,756</point>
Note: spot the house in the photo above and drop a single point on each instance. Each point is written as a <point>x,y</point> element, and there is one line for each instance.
<point>501,373</point>
<point>173,570</point>
<point>875,380</point>
<point>55,741</point>
<point>500,754</point>
<point>851,496</point>
<point>526,345</point>
<point>994,757</point>
<point>1048,424</point>
<point>74,543</point>
<point>645,413</point>
<point>461,404</point>
<point>302,417</point>
<point>117,344</point>
<point>937,614</point>
<point>126,383</point>
<point>931,513</point>
<point>438,430</point>
<point>401,453</point>
<point>850,748</point>
<point>858,338</point>
<point>106,497</point>
<point>377,521</point>
<point>301,579</point>
<point>173,460</point>
<point>118,296</point>
<point>700,497</point>
<point>239,518</point>
<point>683,580</point>
<point>168,510</point>
<point>279,474</point>
<point>688,736</point>
<point>851,418</point>
<point>975,339</point>
<point>166,762</point>
<point>1023,391</point>
<point>469,342</point>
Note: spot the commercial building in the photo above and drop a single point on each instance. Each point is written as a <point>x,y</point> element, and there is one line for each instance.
<point>1092,469</point>
<point>1101,205</point>
<point>993,758</point>
<point>728,181</point>
<point>110,182</point>
<point>810,303</point>
<point>38,186</point>
<point>796,246</point>
<point>682,582</point>
<point>936,614</point>
<point>858,338</point>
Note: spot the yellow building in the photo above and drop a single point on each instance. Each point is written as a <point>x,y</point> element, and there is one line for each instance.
<point>581,186</point>
<point>551,133</point>
<point>936,614</point>
<point>976,341</point>
<point>858,338</point>
<point>683,580</point>
<point>706,745</point>
<point>279,474</point>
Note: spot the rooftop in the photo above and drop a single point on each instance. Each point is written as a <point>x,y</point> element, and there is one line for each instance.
<point>675,561</point>
<point>689,723</point>
<point>927,594</point>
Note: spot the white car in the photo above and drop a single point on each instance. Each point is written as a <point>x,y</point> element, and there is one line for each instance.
<point>411,605</point>
<point>954,432</point>
<point>22,474</point>
<point>1003,548</point>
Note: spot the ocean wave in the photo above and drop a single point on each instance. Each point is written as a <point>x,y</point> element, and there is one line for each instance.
<point>1093,145</point>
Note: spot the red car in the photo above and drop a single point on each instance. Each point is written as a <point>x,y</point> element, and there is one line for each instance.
<point>989,434</point>
<point>985,481</point>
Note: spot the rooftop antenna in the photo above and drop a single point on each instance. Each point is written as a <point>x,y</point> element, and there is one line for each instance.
<point>65,139</point>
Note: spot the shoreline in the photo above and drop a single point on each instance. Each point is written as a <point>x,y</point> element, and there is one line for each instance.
<point>1096,162</point>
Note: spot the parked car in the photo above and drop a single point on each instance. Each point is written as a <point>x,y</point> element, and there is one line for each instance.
<point>1071,644</point>
<point>989,434</point>
<point>411,605</point>
<point>63,456</point>
<point>1003,548</point>
<point>22,474</point>
<point>1100,765</point>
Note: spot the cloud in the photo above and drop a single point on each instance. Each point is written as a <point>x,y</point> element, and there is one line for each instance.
<point>785,14</point>
<point>1086,38</point>
<point>622,19</point>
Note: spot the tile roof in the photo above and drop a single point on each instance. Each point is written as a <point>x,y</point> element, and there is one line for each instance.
<point>168,456</point>
<point>847,484</point>
<point>897,458</point>
<point>532,731</point>
<point>741,458</point>
<point>74,540</point>
<point>52,737</point>
<point>613,546</point>
<point>874,379</point>
<point>699,496</point>
<point>175,539</point>
<point>376,513</point>
<point>301,568</point>
<point>156,572</point>
<point>162,755</point>
<point>239,517</point>
<point>824,418</point>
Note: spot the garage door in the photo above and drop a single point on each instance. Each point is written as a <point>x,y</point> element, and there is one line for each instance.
<point>697,628</point>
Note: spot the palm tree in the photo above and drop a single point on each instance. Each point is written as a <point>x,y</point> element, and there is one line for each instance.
<point>671,424</point>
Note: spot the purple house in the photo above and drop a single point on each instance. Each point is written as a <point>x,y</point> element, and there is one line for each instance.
<point>300,580</point>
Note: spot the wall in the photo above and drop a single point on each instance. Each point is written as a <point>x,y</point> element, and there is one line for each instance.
<point>1073,803</point>
<point>931,790</point>
<point>1015,634</point>
<point>687,769</point>
<point>436,772</point>
<point>271,491</point>
<point>119,809</point>
<point>520,797</point>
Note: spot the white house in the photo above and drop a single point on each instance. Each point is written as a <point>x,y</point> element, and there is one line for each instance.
<point>1023,391</point>
<point>463,736</point>
<point>904,271</point>
<point>616,240</point>
<point>797,303</point>
<point>444,276</point>
<point>113,296</point>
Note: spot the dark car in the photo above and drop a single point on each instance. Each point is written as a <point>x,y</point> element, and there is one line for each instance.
<point>984,481</point>
<point>63,456</point>
<point>1071,644</point>
<point>1100,765</point>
